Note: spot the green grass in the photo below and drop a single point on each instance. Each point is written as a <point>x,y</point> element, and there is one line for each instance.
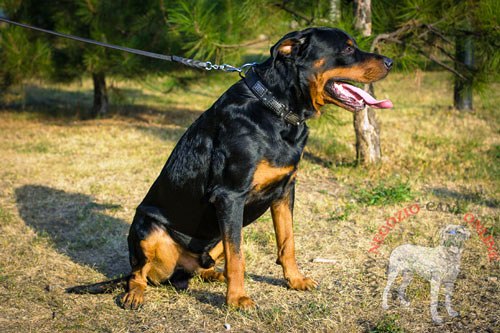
<point>388,324</point>
<point>385,193</point>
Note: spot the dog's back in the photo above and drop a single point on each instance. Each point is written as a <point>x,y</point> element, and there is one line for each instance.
<point>428,262</point>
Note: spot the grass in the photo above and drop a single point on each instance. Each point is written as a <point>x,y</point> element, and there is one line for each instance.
<point>385,194</point>
<point>68,190</point>
<point>387,324</point>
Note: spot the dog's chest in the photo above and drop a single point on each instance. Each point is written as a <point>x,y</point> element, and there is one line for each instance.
<point>266,175</point>
<point>269,184</point>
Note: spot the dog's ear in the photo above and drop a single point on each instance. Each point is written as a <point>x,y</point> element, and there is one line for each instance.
<point>444,235</point>
<point>464,231</point>
<point>290,46</point>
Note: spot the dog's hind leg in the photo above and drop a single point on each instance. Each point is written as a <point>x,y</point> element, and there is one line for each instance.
<point>153,259</point>
<point>435,286</point>
<point>210,274</point>
<point>391,276</point>
<point>407,278</point>
<point>448,287</point>
<point>180,279</point>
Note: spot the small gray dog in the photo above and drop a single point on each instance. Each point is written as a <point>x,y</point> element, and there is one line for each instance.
<point>438,265</point>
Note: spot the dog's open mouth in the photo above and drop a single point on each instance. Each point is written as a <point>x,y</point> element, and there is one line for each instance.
<point>354,98</point>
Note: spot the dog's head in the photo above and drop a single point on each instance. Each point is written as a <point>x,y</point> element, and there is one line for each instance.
<point>454,236</point>
<point>324,60</point>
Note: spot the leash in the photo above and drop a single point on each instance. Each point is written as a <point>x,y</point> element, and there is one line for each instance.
<point>206,65</point>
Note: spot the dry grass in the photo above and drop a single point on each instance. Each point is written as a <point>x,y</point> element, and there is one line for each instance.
<point>68,190</point>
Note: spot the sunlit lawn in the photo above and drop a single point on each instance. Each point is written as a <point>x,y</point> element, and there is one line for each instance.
<point>69,187</point>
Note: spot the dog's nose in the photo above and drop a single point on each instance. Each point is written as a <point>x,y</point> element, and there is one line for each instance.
<point>388,62</point>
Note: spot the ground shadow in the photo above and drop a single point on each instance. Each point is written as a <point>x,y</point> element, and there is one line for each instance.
<point>269,280</point>
<point>77,227</point>
<point>218,299</point>
<point>473,197</point>
<point>51,103</point>
<point>315,159</point>
<point>214,299</point>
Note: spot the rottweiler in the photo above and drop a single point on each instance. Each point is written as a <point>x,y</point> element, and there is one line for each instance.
<point>239,159</point>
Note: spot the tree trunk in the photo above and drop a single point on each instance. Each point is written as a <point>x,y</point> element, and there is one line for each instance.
<point>335,11</point>
<point>363,17</point>
<point>463,88</point>
<point>100,107</point>
<point>365,121</point>
<point>367,134</point>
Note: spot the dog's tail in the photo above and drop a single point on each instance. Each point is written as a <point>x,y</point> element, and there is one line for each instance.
<point>105,287</point>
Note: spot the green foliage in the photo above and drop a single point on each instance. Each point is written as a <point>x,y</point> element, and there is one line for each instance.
<point>342,214</point>
<point>450,20</point>
<point>385,194</point>
<point>140,24</point>
<point>222,31</point>
<point>214,29</point>
<point>388,324</point>
<point>24,58</point>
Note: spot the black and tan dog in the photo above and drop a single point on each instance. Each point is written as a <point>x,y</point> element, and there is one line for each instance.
<point>238,160</point>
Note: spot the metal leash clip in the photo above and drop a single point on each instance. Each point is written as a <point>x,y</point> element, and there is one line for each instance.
<point>228,68</point>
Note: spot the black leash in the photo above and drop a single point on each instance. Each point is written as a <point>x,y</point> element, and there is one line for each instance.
<point>206,65</point>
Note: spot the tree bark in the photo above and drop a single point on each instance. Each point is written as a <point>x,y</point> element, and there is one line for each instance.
<point>100,107</point>
<point>365,122</point>
<point>464,49</point>
<point>335,11</point>
<point>363,17</point>
<point>367,132</point>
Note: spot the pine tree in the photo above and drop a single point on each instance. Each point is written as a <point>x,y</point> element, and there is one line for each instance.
<point>138,24</point>
<point>459,36</point>
<point>23,58</point>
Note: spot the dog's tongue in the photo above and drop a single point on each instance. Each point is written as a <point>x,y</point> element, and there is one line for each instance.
<point>369,100</point>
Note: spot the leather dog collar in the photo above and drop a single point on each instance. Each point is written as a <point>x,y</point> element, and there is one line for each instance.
<point>254,83</point>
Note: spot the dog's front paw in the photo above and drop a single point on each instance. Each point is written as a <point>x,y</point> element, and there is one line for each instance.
<point>404,302</point>
<point>133,299</point>
<point>437,320</point>
<point>453,313</point>
<point>241,302</point>
<point>302,283</point>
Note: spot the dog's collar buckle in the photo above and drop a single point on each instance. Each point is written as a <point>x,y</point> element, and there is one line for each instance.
<point>255,84</point>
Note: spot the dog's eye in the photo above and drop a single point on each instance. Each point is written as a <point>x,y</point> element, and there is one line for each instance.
<point>348,50</point>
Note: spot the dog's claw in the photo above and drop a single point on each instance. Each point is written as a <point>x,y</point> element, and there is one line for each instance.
<point>132,300</point>
<point>242,302</point>
<point>302,283</point>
